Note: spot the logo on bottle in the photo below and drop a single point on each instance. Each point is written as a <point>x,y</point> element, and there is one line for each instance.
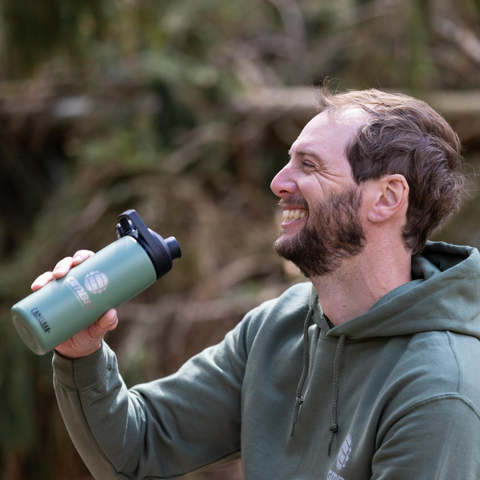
<point>96,282</point>
<point>41,320</point>
<point>79,292</point>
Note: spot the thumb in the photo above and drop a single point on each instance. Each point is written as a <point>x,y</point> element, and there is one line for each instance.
<point>108,322</point>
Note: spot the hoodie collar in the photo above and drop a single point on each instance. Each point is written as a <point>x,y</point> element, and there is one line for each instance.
<point>444,295</point>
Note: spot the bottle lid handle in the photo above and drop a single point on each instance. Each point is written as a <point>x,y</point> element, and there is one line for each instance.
<point>161,252</point>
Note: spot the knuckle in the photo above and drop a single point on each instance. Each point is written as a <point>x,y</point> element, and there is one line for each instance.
<point>95,332</point>
<point>82,255</point>
<point>42,280</point>
<point>65,262</point>
<point>45,277</point>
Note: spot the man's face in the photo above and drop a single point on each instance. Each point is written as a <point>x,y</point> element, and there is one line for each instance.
<point>321,201</point>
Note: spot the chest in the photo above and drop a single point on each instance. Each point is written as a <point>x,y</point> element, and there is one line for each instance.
<point>269,399</point>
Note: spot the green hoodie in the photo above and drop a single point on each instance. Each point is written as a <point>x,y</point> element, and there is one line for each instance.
<point>394,393</point>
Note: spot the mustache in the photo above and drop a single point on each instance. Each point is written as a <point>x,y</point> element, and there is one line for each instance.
<point>293,200</point>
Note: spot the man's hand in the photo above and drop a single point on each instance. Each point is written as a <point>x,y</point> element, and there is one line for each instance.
<point>88,340</point>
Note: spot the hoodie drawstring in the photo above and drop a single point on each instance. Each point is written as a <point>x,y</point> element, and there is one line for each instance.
<point>336,378</point>
<point>303,377</point>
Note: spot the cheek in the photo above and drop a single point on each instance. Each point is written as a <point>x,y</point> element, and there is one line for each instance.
<point>322,185</point>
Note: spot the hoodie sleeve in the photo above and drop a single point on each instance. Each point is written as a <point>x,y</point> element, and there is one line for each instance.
<point>438,439</point>
<point>161,429</point>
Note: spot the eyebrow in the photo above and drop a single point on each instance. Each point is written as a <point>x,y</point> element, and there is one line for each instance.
<point>304,152</point>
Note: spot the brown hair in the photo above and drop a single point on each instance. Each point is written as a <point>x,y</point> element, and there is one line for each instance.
<point>403,135</point>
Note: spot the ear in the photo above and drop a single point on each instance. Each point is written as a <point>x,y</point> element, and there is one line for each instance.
<point>389,196</point>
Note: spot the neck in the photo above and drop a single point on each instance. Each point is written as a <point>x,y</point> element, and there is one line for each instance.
<point>362,280</point>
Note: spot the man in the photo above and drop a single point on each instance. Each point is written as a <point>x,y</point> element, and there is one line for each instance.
<point>383,380</point>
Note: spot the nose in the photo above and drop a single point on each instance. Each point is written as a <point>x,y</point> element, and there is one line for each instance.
<point>283,184</point>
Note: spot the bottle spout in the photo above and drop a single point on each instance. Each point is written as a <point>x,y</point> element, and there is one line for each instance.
<point>161,252</point>
<point>173,247</point>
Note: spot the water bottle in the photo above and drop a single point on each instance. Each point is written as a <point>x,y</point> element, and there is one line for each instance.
<point>115,274</point>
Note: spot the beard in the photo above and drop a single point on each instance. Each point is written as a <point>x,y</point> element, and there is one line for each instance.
<point>332,233</point>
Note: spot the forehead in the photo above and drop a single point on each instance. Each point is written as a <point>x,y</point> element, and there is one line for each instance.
<point>328,137</point>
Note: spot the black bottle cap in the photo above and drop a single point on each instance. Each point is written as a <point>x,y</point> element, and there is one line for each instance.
<point>161,252</point>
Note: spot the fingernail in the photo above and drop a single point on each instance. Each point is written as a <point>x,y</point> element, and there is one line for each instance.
<point>114,320</point>
<point>77,258</point>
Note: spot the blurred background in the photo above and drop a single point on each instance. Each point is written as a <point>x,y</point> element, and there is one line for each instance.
<point>185,110</point>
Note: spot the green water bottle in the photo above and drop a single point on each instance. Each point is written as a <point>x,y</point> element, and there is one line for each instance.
<point>115,274</point>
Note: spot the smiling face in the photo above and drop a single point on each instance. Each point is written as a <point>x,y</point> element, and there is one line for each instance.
<point>321,201</point>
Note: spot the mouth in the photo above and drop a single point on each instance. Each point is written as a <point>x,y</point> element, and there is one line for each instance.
<point>292,215</point>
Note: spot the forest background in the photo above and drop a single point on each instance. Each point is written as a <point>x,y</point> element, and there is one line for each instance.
<point>185,110</point>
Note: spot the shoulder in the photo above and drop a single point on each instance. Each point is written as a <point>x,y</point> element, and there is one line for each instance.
<point>435,366</point>
<point>295,298</point>
<point>280,315</point>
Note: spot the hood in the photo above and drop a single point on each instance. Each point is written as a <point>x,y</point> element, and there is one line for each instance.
<point>443,295</point>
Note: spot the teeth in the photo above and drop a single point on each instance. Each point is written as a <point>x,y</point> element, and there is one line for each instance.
<point>292,215</point>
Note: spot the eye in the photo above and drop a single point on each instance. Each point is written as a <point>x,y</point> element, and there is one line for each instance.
<point>308,164</point>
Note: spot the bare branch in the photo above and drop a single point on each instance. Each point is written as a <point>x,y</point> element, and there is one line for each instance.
<point>462,36</point>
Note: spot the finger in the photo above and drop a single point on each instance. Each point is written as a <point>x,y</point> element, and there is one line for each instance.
<point>108,322</point>
<point>81,256</point>
<point>42,280</point>
<point>62,267</point>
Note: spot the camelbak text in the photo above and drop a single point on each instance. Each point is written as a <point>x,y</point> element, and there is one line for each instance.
<point>41,320</point>
<point>79,291</point>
